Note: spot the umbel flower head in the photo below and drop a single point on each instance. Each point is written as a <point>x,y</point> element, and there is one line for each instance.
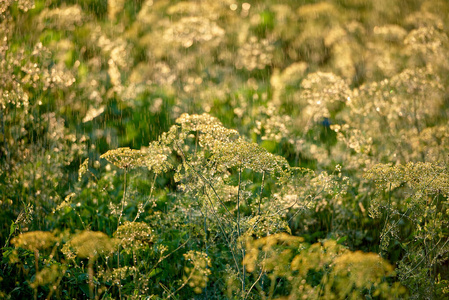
<point>134,235</point>
<point>48,275</point>
<point>156,157</point>
<point>210,128</point>
<point>34,240</point>
<point>88,244</point>
<point>243,154</point>
<point>125,158</point>
<point>197,270</point>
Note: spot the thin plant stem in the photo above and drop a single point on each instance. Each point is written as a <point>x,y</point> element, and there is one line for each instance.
<point>386,219</point>
<point>205,240</point>
<point>262,271</point>
<point>52,290</point>
<point>183,285</point>
<point>204,179</point>
<point>261,190</point>
<point>207,182</point>
<point>238,202</point>
<point>238,228</point>
<point>223,232</point>
<point>301,209</point>
<point>118,246</point>
<point>90,268</point>
<point>161,258</point>
<point>36,265</point>
<point>148,200</point>
<point>123,201</point>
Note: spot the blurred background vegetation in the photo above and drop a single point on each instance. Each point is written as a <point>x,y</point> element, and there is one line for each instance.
<point>277,146</point>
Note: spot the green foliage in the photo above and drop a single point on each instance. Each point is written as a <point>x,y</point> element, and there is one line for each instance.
<point>413,198</point>
<point>224,149</point>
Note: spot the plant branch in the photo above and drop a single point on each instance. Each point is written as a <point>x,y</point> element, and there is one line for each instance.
<point>205,180</point>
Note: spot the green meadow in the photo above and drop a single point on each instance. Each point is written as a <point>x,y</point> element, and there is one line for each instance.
<point>222,149</point>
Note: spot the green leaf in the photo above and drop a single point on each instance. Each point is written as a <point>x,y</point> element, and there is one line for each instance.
<point>13,228</point>
<point>342,240</point>
<point>154,272</point>
<point>84,288</point>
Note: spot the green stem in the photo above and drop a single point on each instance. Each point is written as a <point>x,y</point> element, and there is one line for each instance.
<point>238,202</point>
<point>261,190</point>
<point>205,239</point>
<point>123,201</point>
<point>118,224</point>
<point>90,268</point>
<point>238,229</point>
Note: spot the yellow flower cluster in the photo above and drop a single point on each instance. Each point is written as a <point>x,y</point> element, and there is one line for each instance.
<point>88,244</point>
<point>344,274</point>
<point>242,154</point>
<point>125,158</point>
<point>34,240</point>
<point>134,235</point>
<point>197,271</point>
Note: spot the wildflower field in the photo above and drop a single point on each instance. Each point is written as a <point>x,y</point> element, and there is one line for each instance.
<point>224,149</point>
